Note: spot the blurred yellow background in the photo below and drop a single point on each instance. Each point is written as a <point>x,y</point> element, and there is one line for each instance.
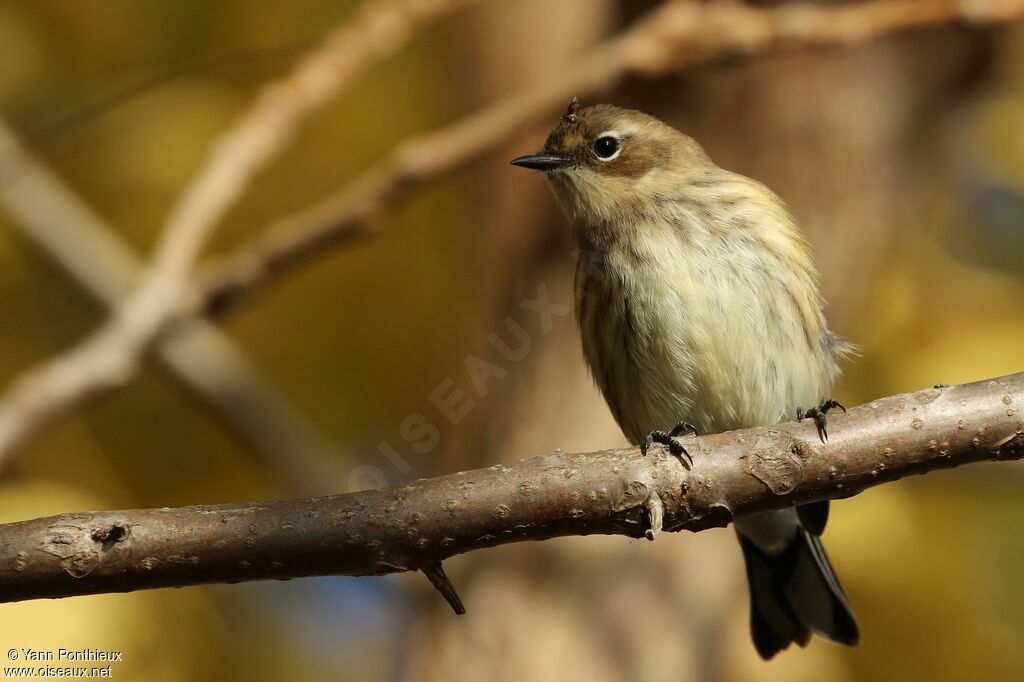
<point>903,161</point>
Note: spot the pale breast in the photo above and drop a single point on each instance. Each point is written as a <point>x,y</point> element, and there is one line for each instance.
<point>686,329</point>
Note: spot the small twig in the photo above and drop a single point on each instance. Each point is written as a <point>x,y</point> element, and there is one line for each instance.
<point>416,526</point>
<point>435,573</point>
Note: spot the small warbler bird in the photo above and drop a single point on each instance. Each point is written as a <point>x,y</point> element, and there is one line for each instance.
<point>698,307</point>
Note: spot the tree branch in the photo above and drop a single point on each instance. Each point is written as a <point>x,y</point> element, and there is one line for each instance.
<point>416,526</point>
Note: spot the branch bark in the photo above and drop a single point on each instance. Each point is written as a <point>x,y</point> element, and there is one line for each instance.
<point>416,526</point>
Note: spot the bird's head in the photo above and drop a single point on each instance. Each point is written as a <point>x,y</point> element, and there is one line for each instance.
<point>607,164</point>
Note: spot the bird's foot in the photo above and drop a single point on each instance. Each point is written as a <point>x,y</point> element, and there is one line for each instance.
<point>668,439</point>
<point>820,416</point>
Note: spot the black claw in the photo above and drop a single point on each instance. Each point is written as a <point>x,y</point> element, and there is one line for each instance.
<point>649,441</point>
<point>675,448</point>
<point>831,404</point>
<point>683,427</point>
<point>820,416</point>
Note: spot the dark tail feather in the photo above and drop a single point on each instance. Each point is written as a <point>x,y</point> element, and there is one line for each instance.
<point>795,594</point>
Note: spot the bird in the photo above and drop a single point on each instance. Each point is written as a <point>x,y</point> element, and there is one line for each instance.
<point>699,311</point>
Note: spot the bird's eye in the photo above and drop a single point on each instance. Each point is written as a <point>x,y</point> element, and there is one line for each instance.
<point>606,147</point>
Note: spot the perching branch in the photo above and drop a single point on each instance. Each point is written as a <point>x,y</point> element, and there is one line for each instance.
<point>416,526</point>
<point>110,356</point>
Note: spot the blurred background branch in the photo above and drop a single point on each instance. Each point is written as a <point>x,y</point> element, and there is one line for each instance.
<point>109,357</point>
<point>672,37</point>
<point>614,492</point>
<point>62,225</point>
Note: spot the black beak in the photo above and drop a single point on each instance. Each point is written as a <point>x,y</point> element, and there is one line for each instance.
<point>544,161</point>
